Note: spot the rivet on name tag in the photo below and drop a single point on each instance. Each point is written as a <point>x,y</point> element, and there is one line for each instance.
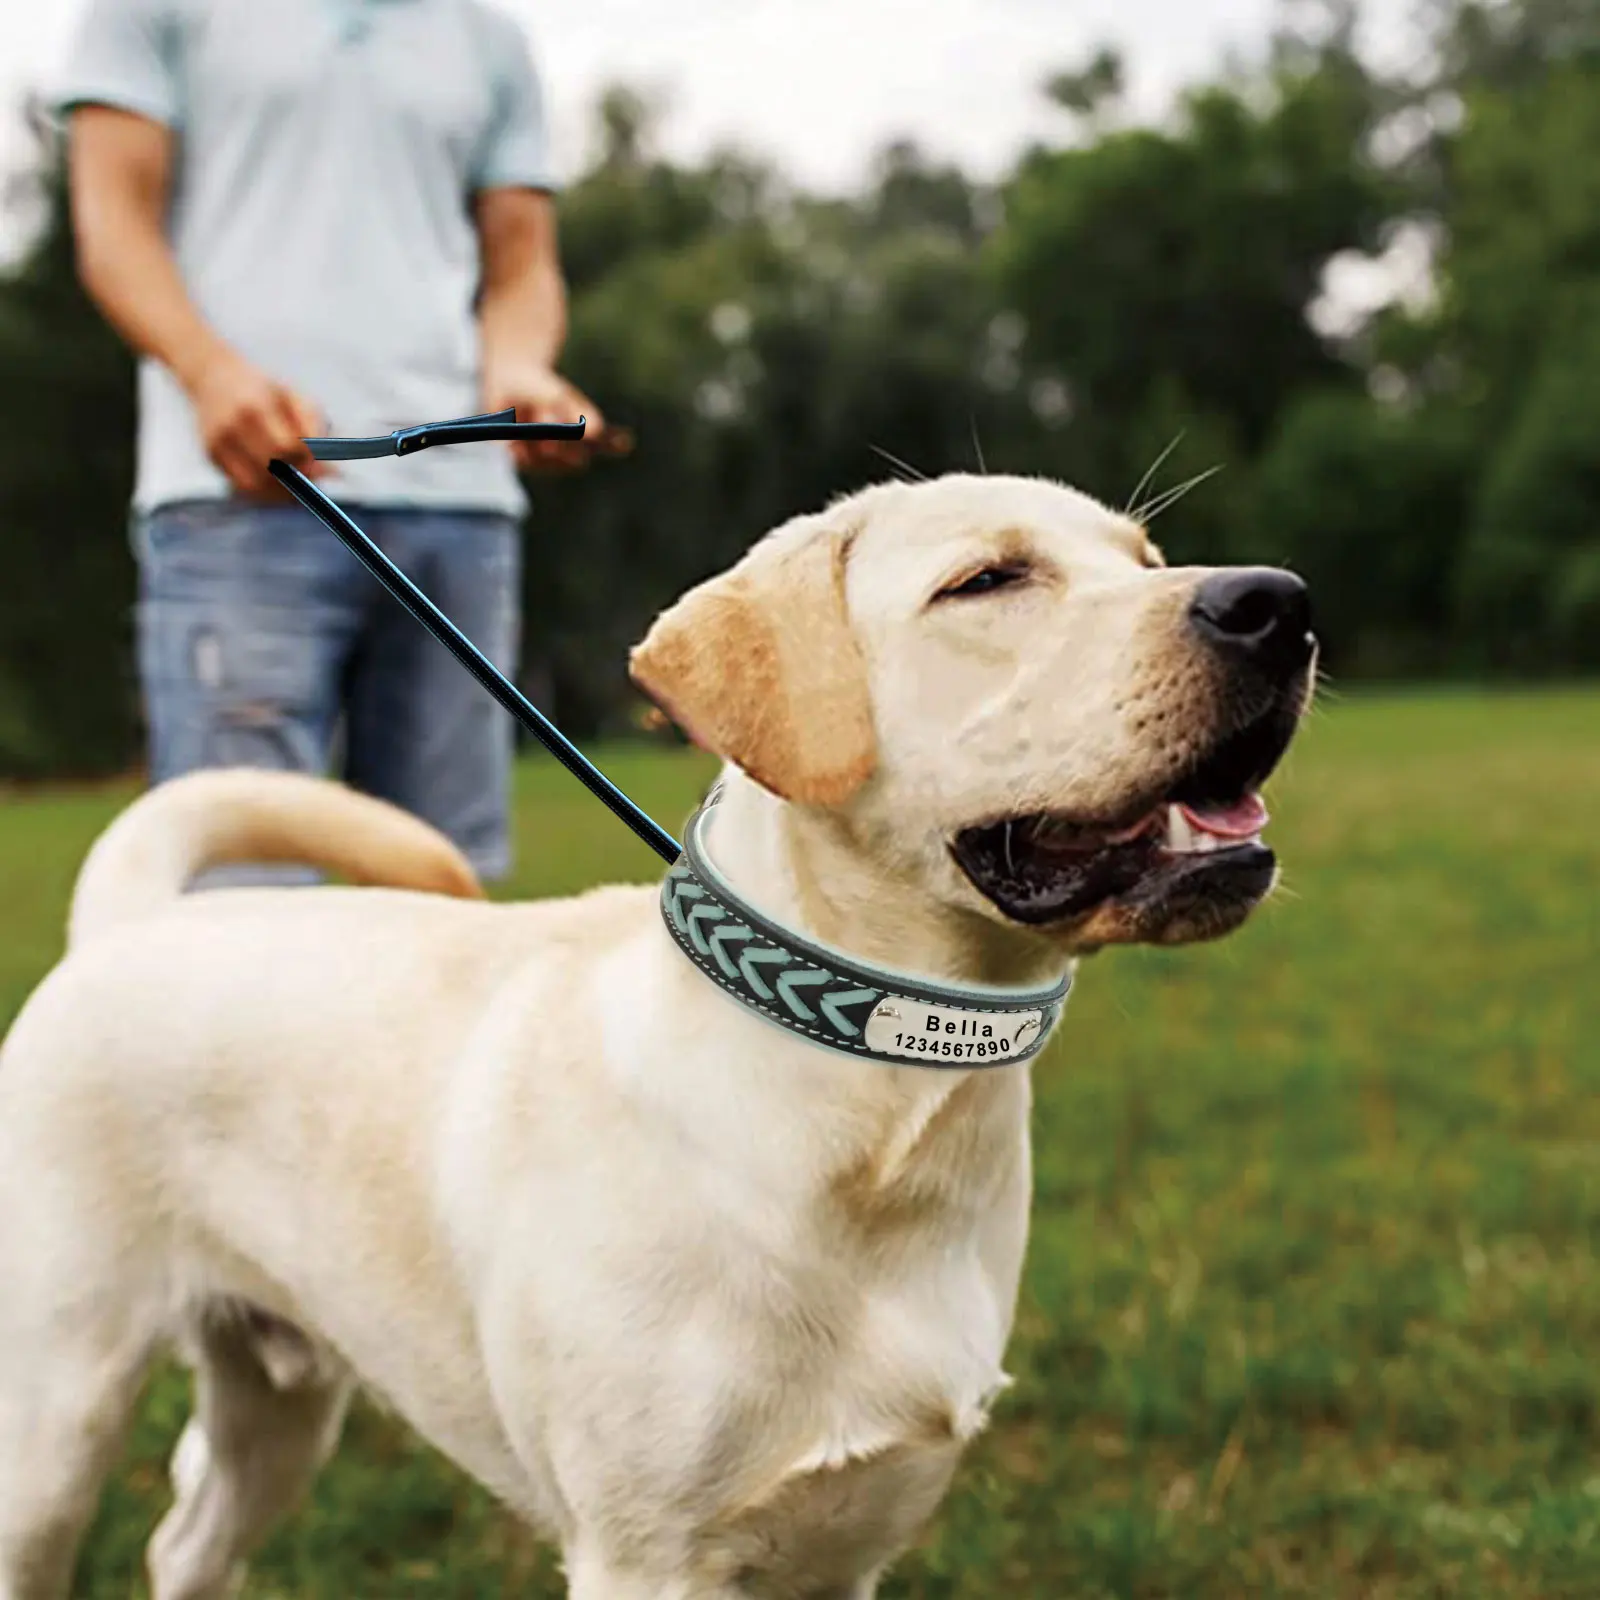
<point>922,1032</point>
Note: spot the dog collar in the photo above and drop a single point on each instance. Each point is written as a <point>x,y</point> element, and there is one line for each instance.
<point>832,1001</point>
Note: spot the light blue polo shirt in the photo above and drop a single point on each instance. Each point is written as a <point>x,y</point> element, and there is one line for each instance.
<point>321,212</point>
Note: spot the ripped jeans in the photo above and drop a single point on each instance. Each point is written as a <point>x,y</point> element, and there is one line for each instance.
<point>263,642</point>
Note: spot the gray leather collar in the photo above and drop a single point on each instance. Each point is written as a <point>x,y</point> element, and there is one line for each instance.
<point>830,1000</point>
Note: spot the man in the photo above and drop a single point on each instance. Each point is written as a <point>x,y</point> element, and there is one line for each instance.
<point>323,216</point>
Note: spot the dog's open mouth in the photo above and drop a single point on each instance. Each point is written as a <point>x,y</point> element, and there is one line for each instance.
<point>1196,843</point>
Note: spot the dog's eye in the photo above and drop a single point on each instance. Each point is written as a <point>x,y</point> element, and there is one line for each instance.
<point>985,581</point>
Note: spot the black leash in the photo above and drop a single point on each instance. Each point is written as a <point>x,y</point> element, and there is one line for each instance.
<point>406,441</point>
<point>816,994</point>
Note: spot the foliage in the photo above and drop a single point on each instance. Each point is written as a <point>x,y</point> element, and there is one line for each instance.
<point>1130,287</point>
<point>66,471</point>
<point>1190,255</point>
<point>1534,550</point>
<point>1367,503</point>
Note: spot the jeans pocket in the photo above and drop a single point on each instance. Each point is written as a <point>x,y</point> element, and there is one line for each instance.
<point>191,534</point>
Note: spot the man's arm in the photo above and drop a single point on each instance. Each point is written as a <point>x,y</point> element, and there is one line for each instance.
<point>120,168</point>
<point>522,320</point>
<point>522,307</point>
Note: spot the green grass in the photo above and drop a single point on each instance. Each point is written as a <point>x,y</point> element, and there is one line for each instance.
<point>1312,1305</point>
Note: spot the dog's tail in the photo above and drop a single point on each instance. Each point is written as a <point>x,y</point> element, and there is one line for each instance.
<point>171,834</point>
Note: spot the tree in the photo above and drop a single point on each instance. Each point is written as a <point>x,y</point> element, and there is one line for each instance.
<point>1142,295</point>
<point>1512,346</point>
<point>1189,257</point>
<point>1093,89</point>
<point>1529,580</point>
<point>1368,503</point>
<point>1523,229</point>
<point>68,701</point>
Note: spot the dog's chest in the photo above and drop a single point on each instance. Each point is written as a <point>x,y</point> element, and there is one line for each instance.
<point>913,1287</point>
<point>922,1367</point>
<point>875,1429</point>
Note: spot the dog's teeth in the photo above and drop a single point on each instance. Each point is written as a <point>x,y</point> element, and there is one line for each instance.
<point>1180,837</point>
<point>1187,838</point>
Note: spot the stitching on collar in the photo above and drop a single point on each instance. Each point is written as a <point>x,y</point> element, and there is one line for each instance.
<point>768,963</point>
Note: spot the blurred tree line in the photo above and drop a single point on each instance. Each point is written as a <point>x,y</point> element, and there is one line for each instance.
<point>1433,469</point>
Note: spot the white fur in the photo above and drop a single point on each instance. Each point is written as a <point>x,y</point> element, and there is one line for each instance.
<point>704,1302</point>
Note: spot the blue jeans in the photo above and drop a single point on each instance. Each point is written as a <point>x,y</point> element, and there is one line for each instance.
<point>263,642</point>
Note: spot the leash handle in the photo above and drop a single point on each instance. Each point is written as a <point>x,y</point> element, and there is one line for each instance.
<point>458,430</point>
<point>611,440</point>
<point>478,430</point>
<point>360,545</point>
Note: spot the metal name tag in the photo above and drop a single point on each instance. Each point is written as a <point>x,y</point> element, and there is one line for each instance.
<point>921,1032</point>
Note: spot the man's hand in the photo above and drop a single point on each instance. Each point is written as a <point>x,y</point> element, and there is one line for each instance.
<point>540,394</point>
<point>246,418</point>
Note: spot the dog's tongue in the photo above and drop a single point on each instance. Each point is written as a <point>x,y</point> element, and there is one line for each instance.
<point>1237,821</point>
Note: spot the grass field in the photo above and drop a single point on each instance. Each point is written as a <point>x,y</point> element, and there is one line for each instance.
<point>1312,1305</point>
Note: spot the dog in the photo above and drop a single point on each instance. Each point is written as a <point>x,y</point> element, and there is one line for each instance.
<point>715,1307</point>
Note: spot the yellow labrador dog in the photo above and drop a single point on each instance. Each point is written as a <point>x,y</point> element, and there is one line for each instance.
<point>715,1306</point>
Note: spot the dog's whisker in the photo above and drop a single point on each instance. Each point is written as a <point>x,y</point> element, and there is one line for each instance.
<point>1011,865</point>
<point>1174,496</point>
<point>1164,502</point>
<point>977,444</point>
<point>1160,502</point>
<point>1164,496</point>
<point>895,461</point>
<point>1150,472</point>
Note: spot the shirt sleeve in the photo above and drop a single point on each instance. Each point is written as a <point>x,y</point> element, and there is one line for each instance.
<point>515,150</point>
<point>127,54</point>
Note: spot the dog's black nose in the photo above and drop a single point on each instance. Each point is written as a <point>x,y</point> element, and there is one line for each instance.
<point>1259,614</point>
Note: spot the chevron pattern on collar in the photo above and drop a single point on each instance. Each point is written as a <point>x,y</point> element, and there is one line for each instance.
<point>831,1001</point>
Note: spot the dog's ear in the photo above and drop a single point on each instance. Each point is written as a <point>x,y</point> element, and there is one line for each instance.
<point>759,665</point>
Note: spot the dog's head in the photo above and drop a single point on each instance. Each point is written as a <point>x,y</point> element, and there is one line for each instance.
<point>1008,699</point>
